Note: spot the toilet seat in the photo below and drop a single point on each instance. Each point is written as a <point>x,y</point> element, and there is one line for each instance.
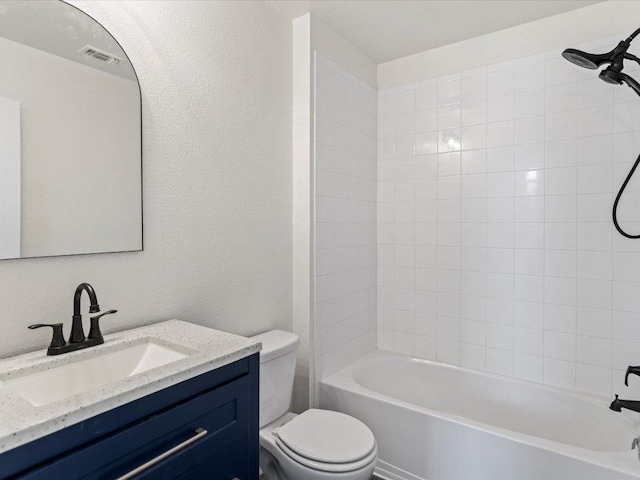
<point>327,441</point>
<point>327,467</point>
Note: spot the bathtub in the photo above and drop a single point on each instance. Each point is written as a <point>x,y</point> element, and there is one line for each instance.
<point>435,421</point>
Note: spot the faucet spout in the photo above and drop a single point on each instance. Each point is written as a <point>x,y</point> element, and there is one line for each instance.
<point>617,405</point>
<point>77,332</point>
<point>94,307</point>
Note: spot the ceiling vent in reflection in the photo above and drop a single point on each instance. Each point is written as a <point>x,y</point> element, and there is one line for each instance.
<point>93,52</point>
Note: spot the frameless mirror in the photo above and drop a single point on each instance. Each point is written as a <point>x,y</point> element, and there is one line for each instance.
<point>70,135</point>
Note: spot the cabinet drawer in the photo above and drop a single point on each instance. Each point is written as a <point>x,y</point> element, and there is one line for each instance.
<point>222,412</point>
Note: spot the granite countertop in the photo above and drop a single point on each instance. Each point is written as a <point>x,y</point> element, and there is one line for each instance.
<point>206,349</point>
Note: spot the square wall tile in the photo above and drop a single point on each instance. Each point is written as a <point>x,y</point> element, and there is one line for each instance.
<point>561,126</point>
<point>530,103</point>
<point>561,98</point>
<point>472,356</point>
<point>528,367</point>
<point>473,112</point>
<point>501,82</point>
<point>501,133</point>
<point>449,86</point>
<point>560,373</point>
<point>474,88</point>
<point>499,361</point>
<point>530,76</point>
<point>595,121</point>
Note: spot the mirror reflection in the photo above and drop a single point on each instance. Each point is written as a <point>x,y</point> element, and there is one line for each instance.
<point>70,135</point>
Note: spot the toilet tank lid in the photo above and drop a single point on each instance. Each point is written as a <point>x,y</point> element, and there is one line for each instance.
<point>276,343</point>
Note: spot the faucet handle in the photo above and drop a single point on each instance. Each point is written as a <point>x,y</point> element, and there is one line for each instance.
<point>58,336</point>
<point>94,331</point>
<point>635,370</point>
<point>634,444</point>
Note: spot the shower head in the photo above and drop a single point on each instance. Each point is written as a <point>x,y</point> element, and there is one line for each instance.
<point>611,76</point>
<point>595,60</point>
<point>614,60</point>
<point>618,78</point>
<point>586,60</point>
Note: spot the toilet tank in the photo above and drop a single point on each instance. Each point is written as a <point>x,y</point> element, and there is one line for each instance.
<point>277,369</point>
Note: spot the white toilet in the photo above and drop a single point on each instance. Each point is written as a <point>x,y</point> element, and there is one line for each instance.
<point>315,445</point>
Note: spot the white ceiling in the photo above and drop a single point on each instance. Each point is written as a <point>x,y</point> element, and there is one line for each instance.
<point>390,29</point>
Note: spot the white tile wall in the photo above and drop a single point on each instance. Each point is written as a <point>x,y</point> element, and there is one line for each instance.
<point>496,249</point>
<point>345,206</point>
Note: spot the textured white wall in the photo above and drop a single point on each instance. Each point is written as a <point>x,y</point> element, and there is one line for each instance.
<point>216,88</point>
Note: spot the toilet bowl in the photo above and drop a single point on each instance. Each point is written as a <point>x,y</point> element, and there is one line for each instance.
<point>315,445</point>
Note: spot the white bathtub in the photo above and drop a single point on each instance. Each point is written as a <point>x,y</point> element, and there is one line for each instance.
<point>435,421</point>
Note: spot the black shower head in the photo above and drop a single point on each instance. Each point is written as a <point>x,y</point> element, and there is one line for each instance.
<point>613,59</point>
<point>618,78</point>
<point>611,76</point>
<point>586,60</point>
<point>595,60</point>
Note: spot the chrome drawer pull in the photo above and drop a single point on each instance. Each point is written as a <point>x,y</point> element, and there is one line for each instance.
<point>200,432</point>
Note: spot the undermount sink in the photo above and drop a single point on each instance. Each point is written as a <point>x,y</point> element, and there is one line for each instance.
<point>88,374</point>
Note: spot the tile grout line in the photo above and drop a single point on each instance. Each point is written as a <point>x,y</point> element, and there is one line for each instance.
<point>575,374</point>
<point>513,313</point>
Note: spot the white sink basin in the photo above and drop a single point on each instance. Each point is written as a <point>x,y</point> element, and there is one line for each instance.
<point>92,373</point>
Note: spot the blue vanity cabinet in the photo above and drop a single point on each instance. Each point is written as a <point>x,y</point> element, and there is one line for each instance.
<point>202,428</point>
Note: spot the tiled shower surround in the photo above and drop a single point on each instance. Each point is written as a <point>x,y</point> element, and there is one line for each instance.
<point>496,249</point>
<point>345,219</point>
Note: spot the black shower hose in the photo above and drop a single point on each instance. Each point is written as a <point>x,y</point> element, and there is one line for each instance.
<point>615,203</point>
<point>635,165</point>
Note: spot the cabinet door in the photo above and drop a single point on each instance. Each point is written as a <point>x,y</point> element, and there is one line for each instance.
<point>223,412</point>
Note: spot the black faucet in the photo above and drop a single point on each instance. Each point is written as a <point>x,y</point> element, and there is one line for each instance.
<point>77,340</point>
<point>77,333</point>
<point>618,405</point>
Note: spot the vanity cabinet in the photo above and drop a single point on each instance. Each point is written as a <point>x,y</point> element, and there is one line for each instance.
<point>203,428</point>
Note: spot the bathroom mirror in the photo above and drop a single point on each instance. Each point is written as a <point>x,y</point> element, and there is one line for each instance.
<point>70,135</point>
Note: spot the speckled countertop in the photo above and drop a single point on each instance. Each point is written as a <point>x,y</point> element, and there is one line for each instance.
<point>206,349</point>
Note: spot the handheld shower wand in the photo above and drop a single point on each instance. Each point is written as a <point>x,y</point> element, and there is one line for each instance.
<point>611,74</point>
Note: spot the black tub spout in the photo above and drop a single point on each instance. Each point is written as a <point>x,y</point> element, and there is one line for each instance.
<point>617,405</point>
